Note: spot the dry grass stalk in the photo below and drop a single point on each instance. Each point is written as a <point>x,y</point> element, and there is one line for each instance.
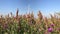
<point>17,13</point>
<point>40,15</point>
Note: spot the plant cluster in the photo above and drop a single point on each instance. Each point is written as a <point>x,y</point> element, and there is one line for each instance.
<point>28,24</point>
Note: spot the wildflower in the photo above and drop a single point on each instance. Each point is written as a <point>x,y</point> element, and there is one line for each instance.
<point>52,24</point>
<point>50,29</point>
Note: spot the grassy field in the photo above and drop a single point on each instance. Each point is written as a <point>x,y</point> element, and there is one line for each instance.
<point>28,24</point>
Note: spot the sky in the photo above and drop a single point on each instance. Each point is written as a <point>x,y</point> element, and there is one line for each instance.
<point>45,6</point>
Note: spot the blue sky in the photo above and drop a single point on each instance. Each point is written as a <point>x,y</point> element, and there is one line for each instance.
<point>45,6</point>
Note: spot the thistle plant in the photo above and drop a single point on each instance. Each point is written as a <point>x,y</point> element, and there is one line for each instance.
<point>28,24</point>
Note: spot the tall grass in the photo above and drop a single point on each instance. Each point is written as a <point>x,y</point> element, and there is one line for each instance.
<point>28,24</point>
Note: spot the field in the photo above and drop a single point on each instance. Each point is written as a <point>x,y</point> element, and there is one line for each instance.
<point>28,24</point>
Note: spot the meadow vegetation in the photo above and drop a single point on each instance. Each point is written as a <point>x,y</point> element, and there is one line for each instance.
<point>28,24</point>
